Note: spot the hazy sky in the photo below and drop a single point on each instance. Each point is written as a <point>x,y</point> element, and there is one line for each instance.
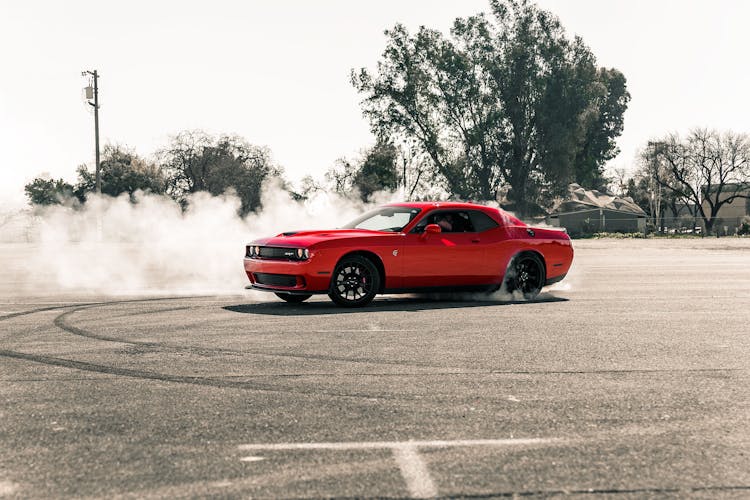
<point>277,72</point>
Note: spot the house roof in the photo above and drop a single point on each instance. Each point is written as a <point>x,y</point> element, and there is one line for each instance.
<point>580,199</point>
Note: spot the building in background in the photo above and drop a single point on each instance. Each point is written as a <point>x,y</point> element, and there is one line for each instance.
<point>731,214</point>
<point>587,211</point>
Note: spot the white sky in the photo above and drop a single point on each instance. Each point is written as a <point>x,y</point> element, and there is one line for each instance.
<point>277,72</point>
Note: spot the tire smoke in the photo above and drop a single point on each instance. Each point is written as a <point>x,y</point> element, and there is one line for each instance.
<point>114,247</point>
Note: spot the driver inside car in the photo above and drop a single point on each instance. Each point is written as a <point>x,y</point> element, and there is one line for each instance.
<point>445,221</point>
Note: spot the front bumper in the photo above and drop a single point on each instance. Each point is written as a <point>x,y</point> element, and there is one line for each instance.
<point>287,276</point>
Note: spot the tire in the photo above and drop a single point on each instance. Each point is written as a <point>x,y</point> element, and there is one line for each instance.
<point>355,282</point>
<point>526,275</point>
<point>293,298</point>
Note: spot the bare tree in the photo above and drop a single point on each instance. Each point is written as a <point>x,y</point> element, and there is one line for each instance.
<point>708,169</point>
<point>414,166</point>
<point>618,178</point>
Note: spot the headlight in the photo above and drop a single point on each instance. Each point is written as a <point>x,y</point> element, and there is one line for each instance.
<point>302,253</point>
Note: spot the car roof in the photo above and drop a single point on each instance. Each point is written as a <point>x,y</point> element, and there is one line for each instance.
<point>496,213</point>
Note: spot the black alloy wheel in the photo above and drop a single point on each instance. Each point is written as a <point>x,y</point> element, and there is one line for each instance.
<point>355,282</point>
<point>293,298</point>
<point>526,275</point>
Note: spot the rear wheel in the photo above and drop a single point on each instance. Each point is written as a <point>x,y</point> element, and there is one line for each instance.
<point>355,282</point>
<point>526,275</point>
<point>293,298</point>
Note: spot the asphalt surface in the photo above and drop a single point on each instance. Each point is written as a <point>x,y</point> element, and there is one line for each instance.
<point>628,380</point>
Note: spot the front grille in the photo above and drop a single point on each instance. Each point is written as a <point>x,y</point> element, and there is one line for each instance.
<point>287,280</point>
<point>278,253</point>
<point>272,253</point>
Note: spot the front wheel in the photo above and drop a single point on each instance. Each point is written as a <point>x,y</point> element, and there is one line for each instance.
<point>525,275</point>
<point>355,282</point>
<point>293,298</point>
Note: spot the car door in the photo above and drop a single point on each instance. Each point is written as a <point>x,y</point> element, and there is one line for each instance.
<point>454,257</point>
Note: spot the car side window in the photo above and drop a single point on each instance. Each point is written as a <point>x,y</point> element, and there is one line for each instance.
<point>482,222</point>
<point>450,221</point>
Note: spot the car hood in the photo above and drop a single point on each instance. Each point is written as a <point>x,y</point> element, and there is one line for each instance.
<point>308,237</point>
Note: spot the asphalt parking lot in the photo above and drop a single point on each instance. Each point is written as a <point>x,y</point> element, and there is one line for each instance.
<point>628,379</point>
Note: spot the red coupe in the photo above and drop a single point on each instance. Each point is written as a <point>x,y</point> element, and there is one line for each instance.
<point>407,248</point>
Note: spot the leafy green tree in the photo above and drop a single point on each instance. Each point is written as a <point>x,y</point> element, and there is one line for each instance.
<point>122,171</point>
<point>605,124</point>
<point>504,100</point>
<point>42,191</point>
<point>195,161</point>
<point>376,171</point>
<point>638,190</point>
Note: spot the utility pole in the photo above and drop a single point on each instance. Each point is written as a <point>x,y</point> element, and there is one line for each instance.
<point>93,92</point>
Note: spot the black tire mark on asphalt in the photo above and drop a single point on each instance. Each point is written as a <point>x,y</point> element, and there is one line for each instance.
<point>42,309</point>
<point>214,382</point>
<point>179,379</point>
<point>142,374</point>
<point>84,305</point>
<point>87,304</point>
<point>604,491</point>
<point>151,311</point>
<point>681,493</point>
<point>62,323</point>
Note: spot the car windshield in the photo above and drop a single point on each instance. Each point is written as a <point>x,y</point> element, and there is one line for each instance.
<point>391,219</point>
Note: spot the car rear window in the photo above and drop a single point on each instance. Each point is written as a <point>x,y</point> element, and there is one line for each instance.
<point>481,221</point>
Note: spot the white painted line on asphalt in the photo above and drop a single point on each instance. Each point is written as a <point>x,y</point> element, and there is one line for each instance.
<point>369,445</point>
<point>251,459</point>
<point>46,303</point>
<point>406,453</point>
<point>415,473</point>
<point>7,488</point>
<point>359,331</point>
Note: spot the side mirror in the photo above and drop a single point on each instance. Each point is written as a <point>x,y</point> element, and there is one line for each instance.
<point>430,229</point>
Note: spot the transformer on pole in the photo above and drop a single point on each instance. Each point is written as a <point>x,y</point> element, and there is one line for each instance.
<point>92,92</point>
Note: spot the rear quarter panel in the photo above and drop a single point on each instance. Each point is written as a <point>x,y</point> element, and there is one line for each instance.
<point>553,245</point>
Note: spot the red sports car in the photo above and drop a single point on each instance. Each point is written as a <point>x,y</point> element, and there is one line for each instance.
<point>407,248</point>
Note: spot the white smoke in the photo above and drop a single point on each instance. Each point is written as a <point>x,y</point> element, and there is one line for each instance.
<point>112,246</point>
